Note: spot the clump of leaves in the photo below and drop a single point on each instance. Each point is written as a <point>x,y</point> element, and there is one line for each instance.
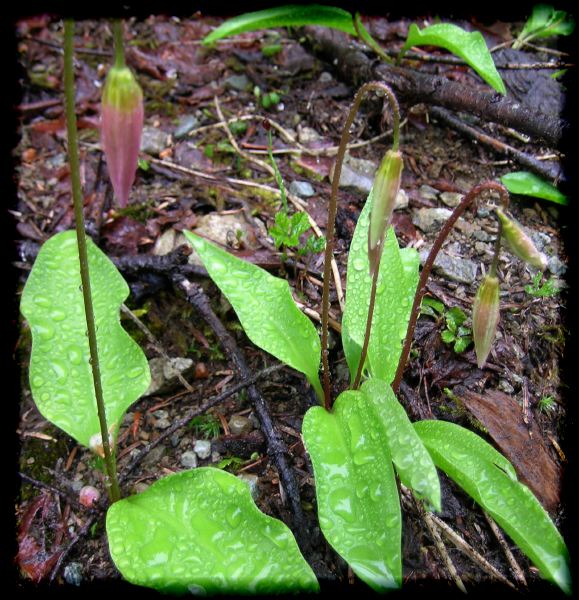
<point>549,288</point>
<point>456,332</point>
<point>205,426</point>
<point>545,22</point>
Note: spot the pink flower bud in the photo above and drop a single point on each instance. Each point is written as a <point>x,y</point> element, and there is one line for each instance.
<point>121,128</point>
<point>520,243</point>
<point>485,317</point>
<point>89,496</point>
<point>386,187</point>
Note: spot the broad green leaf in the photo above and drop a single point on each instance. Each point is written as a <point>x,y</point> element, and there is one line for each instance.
<point>470,46</point>
<point>285,16</point>
<point>529,184</point>
<point>265,308</point>
<point>358,504</point>
<point>60,373</point>
<point>411,459</point>
<point>395,290</point>
<point>490,479</point>
<point>545,22</point>
<point>199,531</point>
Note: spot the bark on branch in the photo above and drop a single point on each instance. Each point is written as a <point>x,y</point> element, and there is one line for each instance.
<point>354,67</point>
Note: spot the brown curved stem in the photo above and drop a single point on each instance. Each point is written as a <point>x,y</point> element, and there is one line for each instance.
<point>332,210</point>
<point>421,288</point>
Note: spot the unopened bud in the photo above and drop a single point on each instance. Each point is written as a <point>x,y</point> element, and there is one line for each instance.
<point>485,317</point>
<point>520,243</point>
<point>121,128</point>
<point>89,496</point>
<point>385,190</point>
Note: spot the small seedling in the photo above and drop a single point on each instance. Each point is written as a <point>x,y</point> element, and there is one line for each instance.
<point>205,426</point>
<point>455,332</point>
<point>547,289</point>
<point>546,404</point>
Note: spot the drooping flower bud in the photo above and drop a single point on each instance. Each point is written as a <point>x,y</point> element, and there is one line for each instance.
<point>386,187</point>
<point>485,317</point>
<point>520,243</point>
<point>121,127</point>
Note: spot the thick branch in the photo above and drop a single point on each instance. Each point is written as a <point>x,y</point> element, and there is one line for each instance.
<point>354,67</point>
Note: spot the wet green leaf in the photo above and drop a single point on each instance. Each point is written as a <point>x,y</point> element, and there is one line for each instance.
<point>284,16</point>
<point>358,505</point>
<point>199,531</point>
<point>528,184</point>
<point>470,46</point>
<point>411,459</point>
<point>395,290</point>
<point>265,308</point>
<point>490,479</point>
<point>60,373</point>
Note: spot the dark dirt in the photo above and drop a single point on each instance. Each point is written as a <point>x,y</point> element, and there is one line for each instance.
<point>179,78</point>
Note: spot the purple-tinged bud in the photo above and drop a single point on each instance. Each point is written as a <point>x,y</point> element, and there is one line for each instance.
<point>121,127</point>
<point>520,243</point>
<point>385,191</point>
<point>485,317</point>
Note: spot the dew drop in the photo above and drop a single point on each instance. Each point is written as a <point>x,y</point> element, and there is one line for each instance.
<point>37,381</point>
<point>74,355</point>
<point>233,516</point>
<point>135,372</point>
<point>59,370</point>
<point>58,315</point>
<point>341,503</point>
<point>45,331</point>
<point>358,264</point>
<point>42,301</point>
<point>45,396</point>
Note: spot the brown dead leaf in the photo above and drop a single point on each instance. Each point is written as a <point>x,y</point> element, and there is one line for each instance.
<point>503,418</point>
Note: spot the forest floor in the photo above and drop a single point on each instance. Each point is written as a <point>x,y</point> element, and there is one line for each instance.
<point>189,179</point>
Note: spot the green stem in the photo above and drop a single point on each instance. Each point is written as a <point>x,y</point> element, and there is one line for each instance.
<point>332,210</point>
<point>472,195</point>
<point>364,34</point>
<point>118,42</point>
<point>82,254</point>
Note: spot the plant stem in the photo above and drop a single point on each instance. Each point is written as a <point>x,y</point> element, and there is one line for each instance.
<point>118,42</point>
<point>364,34</point>
<point>368,328</point>
<point>421,288</point>
<point>332,210</point>
<point>82,254</point>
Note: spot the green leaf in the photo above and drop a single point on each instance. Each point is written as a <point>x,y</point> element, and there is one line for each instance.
<point>455,317</point>
<point>265,308</point>
<point>447,336</point>
<point>60,373</point>
<point>199,531</point>
<point>529,184</point>
<point>284,16</point>
<point>545,22</point>
<point>462,343</point>
<point>490,479</point>
<point>431,307</point>
<point>471,47</point>
<point>411,459</point>
<point>395,290</point>
<point>358,504</point>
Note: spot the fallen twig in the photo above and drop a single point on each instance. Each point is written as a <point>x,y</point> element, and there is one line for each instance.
<point>276,446</point>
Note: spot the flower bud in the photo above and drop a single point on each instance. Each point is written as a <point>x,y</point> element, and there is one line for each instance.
<point>121,128</point>
<point>96,442</point>
<point>485,317</point>
<point>520,243</point>
<point>89,496</point>
<point>385,190</point>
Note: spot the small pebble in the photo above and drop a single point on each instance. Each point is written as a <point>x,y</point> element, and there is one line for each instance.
<point>89,496</point>
<point>73,573</point>
<point>161,419</point>
<point>201,371</point>
<point>202,448</point>
<point>185,125</point>
<point>253,483</point>
<point>239,425</point>
<point>189,459</point>
<point>303,189</point>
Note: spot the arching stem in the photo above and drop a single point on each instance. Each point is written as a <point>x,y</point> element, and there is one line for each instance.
<point>421,288</point>
<point>332,210</point>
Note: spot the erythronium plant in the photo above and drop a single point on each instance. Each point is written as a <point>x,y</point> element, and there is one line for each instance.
<point>199,531</point>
